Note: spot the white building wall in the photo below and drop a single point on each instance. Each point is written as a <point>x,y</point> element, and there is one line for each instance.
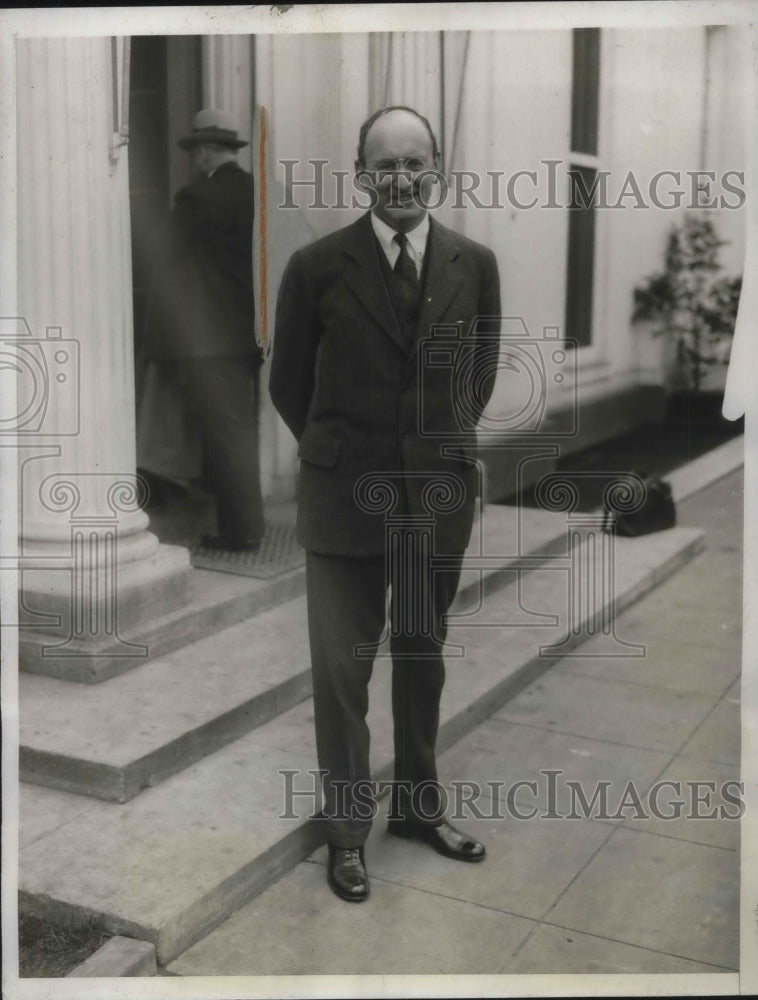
<point>526,123</point>
<point>405,68</point>
<point>727,106</point>
<point>508,109</point>
<point>670,99</point>
<point>315,88</point>
<point>315,91</point>
<point>656,125</point>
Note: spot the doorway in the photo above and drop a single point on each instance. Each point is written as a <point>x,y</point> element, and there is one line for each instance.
<point>165,93</point>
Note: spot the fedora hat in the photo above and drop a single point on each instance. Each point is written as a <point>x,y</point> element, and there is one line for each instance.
<point>210,125</point>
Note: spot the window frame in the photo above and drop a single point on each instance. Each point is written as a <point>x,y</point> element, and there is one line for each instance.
<point>594,354</point>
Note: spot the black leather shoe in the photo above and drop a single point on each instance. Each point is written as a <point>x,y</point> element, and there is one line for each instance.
<point>218,544</point>
<point>444,838</point>
<point>346,873</point>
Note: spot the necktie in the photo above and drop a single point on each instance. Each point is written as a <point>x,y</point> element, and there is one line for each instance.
<point>404,266</point>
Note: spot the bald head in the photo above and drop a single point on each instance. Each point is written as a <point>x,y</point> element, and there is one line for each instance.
<point>382,113</point>
<point>397,161</point>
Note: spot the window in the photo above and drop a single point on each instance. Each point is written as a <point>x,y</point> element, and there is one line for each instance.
<point>583,170</point>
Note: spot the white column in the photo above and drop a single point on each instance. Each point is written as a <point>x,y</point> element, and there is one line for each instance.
<point>227,82</point>
<point>84,547</point>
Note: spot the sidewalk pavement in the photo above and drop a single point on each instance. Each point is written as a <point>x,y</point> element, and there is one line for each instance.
<point>615,891</point>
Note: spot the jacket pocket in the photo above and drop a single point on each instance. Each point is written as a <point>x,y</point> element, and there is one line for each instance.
<point>319,451</point>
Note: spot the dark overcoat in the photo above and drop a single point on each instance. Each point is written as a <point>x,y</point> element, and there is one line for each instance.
<point>362,400</point>
<point>200,302</point>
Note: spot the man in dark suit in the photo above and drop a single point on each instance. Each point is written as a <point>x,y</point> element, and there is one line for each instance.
<point>200,324</point>
<point>372,423</point>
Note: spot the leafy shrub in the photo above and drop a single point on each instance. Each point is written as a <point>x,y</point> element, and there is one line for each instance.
<point>688,301</point>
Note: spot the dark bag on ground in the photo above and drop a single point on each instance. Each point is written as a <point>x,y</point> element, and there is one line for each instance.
<point>640,504</point>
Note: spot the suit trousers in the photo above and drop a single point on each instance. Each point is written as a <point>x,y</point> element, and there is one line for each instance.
<point>222,393</point>
<point>347,616</point>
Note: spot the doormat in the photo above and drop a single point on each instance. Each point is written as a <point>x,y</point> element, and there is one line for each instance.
<point>278,553</point>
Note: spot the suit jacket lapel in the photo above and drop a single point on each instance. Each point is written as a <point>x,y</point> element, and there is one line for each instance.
<point>364,276</point>
<point>443,279</point>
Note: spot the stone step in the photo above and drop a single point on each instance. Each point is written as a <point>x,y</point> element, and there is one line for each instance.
<point>174,862</point>
<point>145,725</point>
<point>218,601</point>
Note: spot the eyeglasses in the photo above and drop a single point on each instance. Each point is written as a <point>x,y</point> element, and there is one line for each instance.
<point>412,164</point>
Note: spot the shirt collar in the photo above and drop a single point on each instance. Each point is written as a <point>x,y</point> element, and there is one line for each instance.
<point>386,235</point>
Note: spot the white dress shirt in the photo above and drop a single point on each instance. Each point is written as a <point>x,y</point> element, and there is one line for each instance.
<point>416,241</point>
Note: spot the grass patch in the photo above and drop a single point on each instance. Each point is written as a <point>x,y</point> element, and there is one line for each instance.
<point>50,949</point>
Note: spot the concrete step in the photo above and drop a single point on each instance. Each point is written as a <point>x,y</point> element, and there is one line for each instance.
<point>218,601</point>
<point>219,598</point>
<point>159,718</point>
<point>162,716</point>
<point>174,862</point>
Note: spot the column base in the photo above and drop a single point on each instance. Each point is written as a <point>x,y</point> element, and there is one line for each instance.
<point>89,637</point>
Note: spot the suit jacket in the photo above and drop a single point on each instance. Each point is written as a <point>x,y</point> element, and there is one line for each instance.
<point>200,302</point>
<point>361,400</point>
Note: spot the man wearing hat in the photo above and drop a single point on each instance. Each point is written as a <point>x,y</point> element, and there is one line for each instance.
<point>200,324</point>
